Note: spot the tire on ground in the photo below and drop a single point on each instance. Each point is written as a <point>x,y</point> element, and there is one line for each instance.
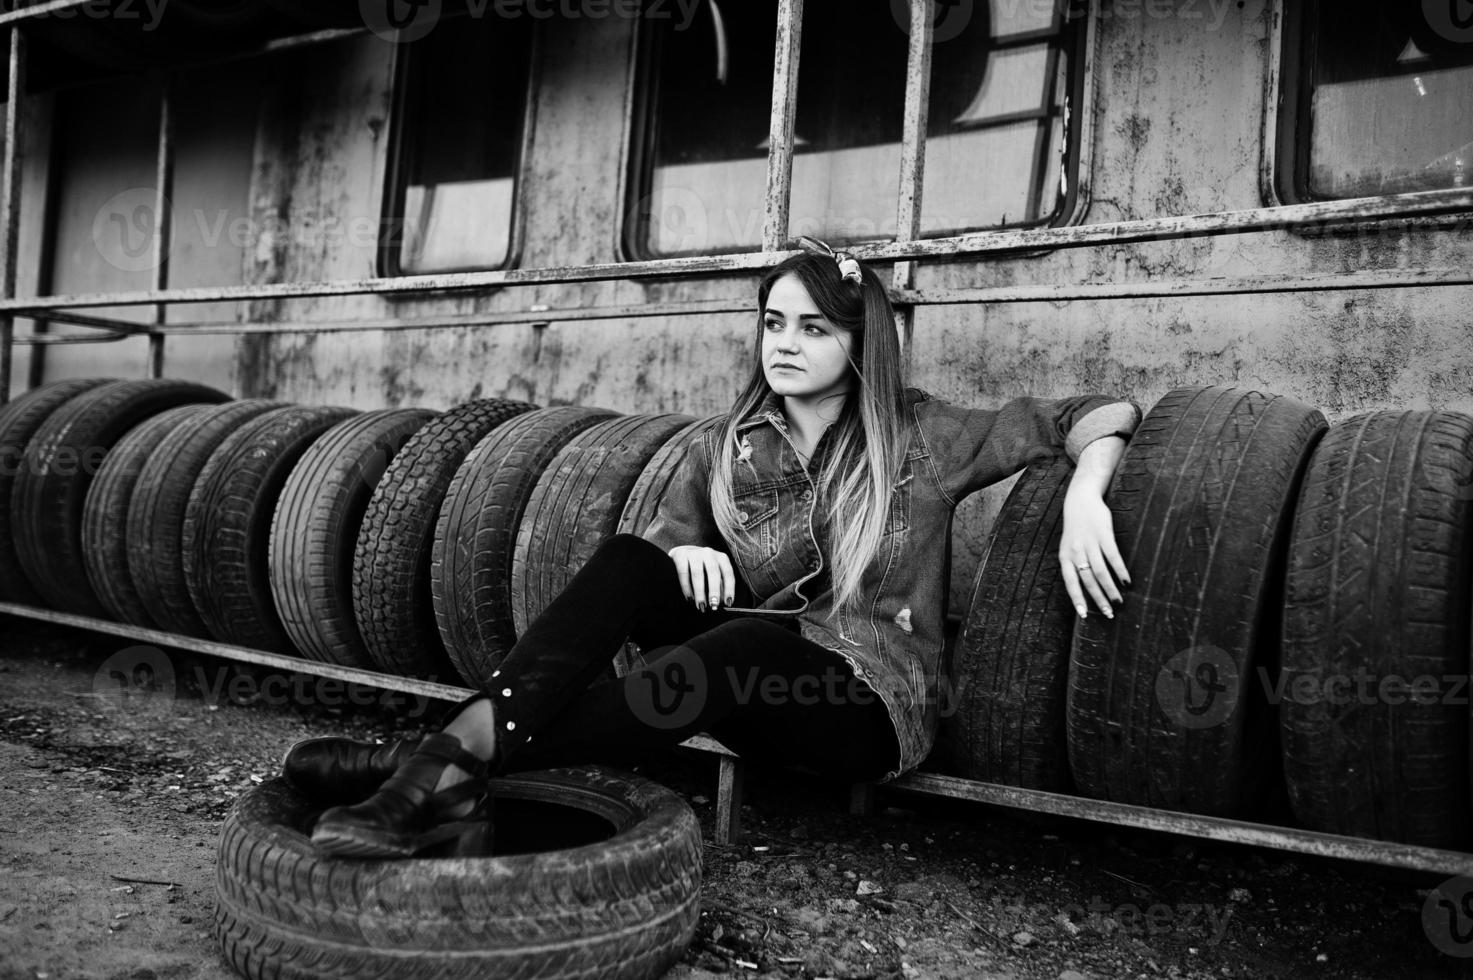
<point>19,420</point>
<point>227,524</point>
<point>60,462</point>
<point>1164,707</point>
<point>315,528</point>
<point>623,906</point>
<point>105,514</point>
<point>644,503</point>
<point>576,504</point>
<point>391,560</point>
<point>1378,587</point>
<point>1011,662</point>
<point>156,512</point>
<point>476,533</point>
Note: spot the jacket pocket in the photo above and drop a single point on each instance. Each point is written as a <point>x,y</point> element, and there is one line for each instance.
<point>756,539</point>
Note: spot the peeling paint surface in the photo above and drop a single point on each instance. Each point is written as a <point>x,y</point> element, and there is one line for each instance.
<point>1178,116</point>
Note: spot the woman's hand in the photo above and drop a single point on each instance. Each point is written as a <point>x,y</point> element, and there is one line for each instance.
<point>705,574</point>
<point>1088,554</point>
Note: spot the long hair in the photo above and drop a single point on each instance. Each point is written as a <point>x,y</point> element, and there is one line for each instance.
<point>869,436</point>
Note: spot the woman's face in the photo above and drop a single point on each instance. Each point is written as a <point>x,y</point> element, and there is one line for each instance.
<point>795,332</point>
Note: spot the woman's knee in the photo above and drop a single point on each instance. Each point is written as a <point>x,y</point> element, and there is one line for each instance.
<point>629,551</point>
<point>630,547</point>
<point>747,632</point>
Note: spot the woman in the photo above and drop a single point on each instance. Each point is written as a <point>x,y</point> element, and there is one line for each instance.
<point>823,501</point>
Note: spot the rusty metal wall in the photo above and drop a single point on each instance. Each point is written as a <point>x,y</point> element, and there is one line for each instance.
<point>1182,95</point>
<point>1178,110</point>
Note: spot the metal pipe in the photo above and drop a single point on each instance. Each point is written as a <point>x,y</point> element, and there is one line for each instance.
<point>786,57</point>
<point>903,299</point>
<point>1315,216</point>
<point>449,320</point>
<point>51,339</point>
<point>410,685</point>
<point>1317,282</point>
<point>913,131</point>
<point>1388,853</point>
<point>163,222</point>
<point>40,10</point>
<point>913,162</point>
<point>10,184</point>
<point>73,318</point>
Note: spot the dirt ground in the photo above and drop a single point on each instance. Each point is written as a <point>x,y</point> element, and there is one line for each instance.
<point>110,812</point>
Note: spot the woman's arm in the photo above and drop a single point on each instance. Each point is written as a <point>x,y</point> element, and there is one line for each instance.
<point>1088,537</point>
<point>684,514</point>
<point>976,447</point>
<point>973,448</point>
<point>685,529</point>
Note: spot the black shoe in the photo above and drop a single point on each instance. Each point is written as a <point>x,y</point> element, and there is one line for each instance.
<point>341,770</point>
<point>406,815</point>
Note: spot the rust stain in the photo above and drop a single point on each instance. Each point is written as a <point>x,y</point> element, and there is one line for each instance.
<point>1135,130</point>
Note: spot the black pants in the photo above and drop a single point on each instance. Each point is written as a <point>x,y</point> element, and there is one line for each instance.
<point>755,684</point>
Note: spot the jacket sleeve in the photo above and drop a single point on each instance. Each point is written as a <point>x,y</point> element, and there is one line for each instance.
<point>976,447</point>
<point>684,514</point>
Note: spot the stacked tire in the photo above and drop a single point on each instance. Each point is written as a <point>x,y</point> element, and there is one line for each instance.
<point>1163,708</point>
<point>1295,644</point>
<point>406,541</point>
<point>227,524</point>
<point>474,555</point>
<point>1374,690</point>
<point>393,540</point>
<point>61,457</point>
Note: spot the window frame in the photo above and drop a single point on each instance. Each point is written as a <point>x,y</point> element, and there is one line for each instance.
<point>1284,167</point>
<point>387,263</point>
<point>636,170</point>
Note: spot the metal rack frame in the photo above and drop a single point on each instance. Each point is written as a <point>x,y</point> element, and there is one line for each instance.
<point>906,252</point>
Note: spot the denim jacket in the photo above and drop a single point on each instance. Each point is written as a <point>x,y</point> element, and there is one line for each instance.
<point>895,645</point>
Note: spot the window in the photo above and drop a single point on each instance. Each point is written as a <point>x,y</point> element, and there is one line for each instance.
<point>996,145</point>
<point>1383,103</point>
<point>94,191</point>
<point>461,102</point>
